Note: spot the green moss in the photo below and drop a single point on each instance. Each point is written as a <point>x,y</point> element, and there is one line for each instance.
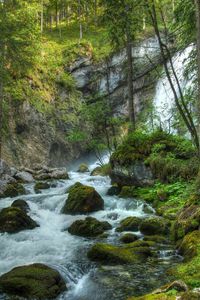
<point>35,281</point>
<point>161,296</point>
<point>128,238</point>
<point>82,199</point>
<point>83,168</point>
<point>154,225</point>
<point>13,220</point>
<point>102,170</point>
<point>110,254</point>
<point>90,227</point>
<point>189,270</point>
<point>13,190</point>
<point>129,224</point>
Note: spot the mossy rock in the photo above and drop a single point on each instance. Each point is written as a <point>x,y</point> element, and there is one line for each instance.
<point>154,225</point>
<point>156,238</point>
<point>109,254</point>
<point>82,199</point>
<point>140,244</point>
<point>189,246</point>
<point>13,220</point>
<point>41,186</point>
<point>187,221</point>
<point>190,296</point>
<point>21,204</point>
<point>129,224</point>
<point>83,168</point>
<point>103,170</point>
<point>128,238</point>
<point>113,190</point>
<point>90,227</point>
<point>13,190</point>
<point>35,281</point>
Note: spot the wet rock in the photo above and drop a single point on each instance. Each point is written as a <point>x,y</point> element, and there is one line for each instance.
<point>21,204</point>
<point>35,281</point>
<point>129,224</point>
<point>109,254</point>
<point>24,177</point>
<point>59,174</point>
<point>154,225</point>
<point>187,221</point>
<point>41,186</point>
<point>83,168</point>
<point>113,190</point>
<point>82,199</point>
<point>147,209</point>
<point>12,190</point>
<point>47,174</point>
<point>13,220</point>
<point>113,216</point>
<point>128,238</point>
<point>156,238</point>
<point>90,227</point>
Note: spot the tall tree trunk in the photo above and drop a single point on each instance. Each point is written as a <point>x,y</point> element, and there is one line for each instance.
<point>130,81</point>
<point>80,23</point>
<point>197,2</point>
<point>1,117</point>
<point>42,16</point>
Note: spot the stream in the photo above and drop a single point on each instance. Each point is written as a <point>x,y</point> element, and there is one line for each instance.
<point>51,244</point>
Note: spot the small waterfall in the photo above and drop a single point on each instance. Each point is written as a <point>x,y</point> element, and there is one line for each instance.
<point>164,99</point>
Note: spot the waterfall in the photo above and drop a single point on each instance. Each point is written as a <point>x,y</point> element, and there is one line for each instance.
<point>164,102</point>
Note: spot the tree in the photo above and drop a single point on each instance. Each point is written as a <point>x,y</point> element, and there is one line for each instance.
<point>19,38</point>
<point>123,20</point>
<point>197,3</point>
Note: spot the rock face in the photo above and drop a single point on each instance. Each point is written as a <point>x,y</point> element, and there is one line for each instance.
<point>90,227</point>
<point>35,281</point>
<point>129,224</point>
<point>82,199</point>
<point>45,173</point>
<point>154,225</point>
<point>13,220</point>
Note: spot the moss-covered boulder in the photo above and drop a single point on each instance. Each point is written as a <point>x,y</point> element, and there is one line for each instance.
<point>21,204</point>
<point>154,225</point>
<point>109,254</point>
<point>13,220</point>
<point>160,239</point>
<point>187,221</point>
<point>82,199</point>
<point>42,185</point>
<point>129,224</point>
<point>35,281</point>
<point>83,168</point>
<point>103,170</point>
<point>90,227</point>
<point>189,245</point>
<point>162,296</point>
<point>13,190</point>
<point>128,238</point>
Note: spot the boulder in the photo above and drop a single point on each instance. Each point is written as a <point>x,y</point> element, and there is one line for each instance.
<point>4,168</point>
<point>129,224</point>
<point>189,245</point>
<point>113,190</point>
<point>41,186</point>
<point>153,226</point>
<point>90,227</point>
<point>97,172</point>
<point>59,174</point>
<point>82,199</point>
<point>24,177</point>
<point>21,204</point>
<point>36,281</point>
<point>83,168</point>
<point>13,220</point>
<point>156,238</point>
<point>109,254</point>
<point>12,190</point>
<point>177,285</point>
<point>128,238</point>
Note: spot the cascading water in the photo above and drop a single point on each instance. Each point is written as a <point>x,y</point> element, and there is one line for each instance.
<point>53,245</point>
<point>164,102</point>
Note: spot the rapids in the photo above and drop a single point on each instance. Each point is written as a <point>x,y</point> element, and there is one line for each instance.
<point>51,244</point>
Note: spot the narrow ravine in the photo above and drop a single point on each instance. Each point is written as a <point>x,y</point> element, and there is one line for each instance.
<point>53,245</point>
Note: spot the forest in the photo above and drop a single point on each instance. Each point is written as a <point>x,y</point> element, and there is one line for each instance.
<point>100,149</point>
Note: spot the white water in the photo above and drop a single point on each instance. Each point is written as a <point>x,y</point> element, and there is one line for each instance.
<point>53,245</point>
<point>164,102</point>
